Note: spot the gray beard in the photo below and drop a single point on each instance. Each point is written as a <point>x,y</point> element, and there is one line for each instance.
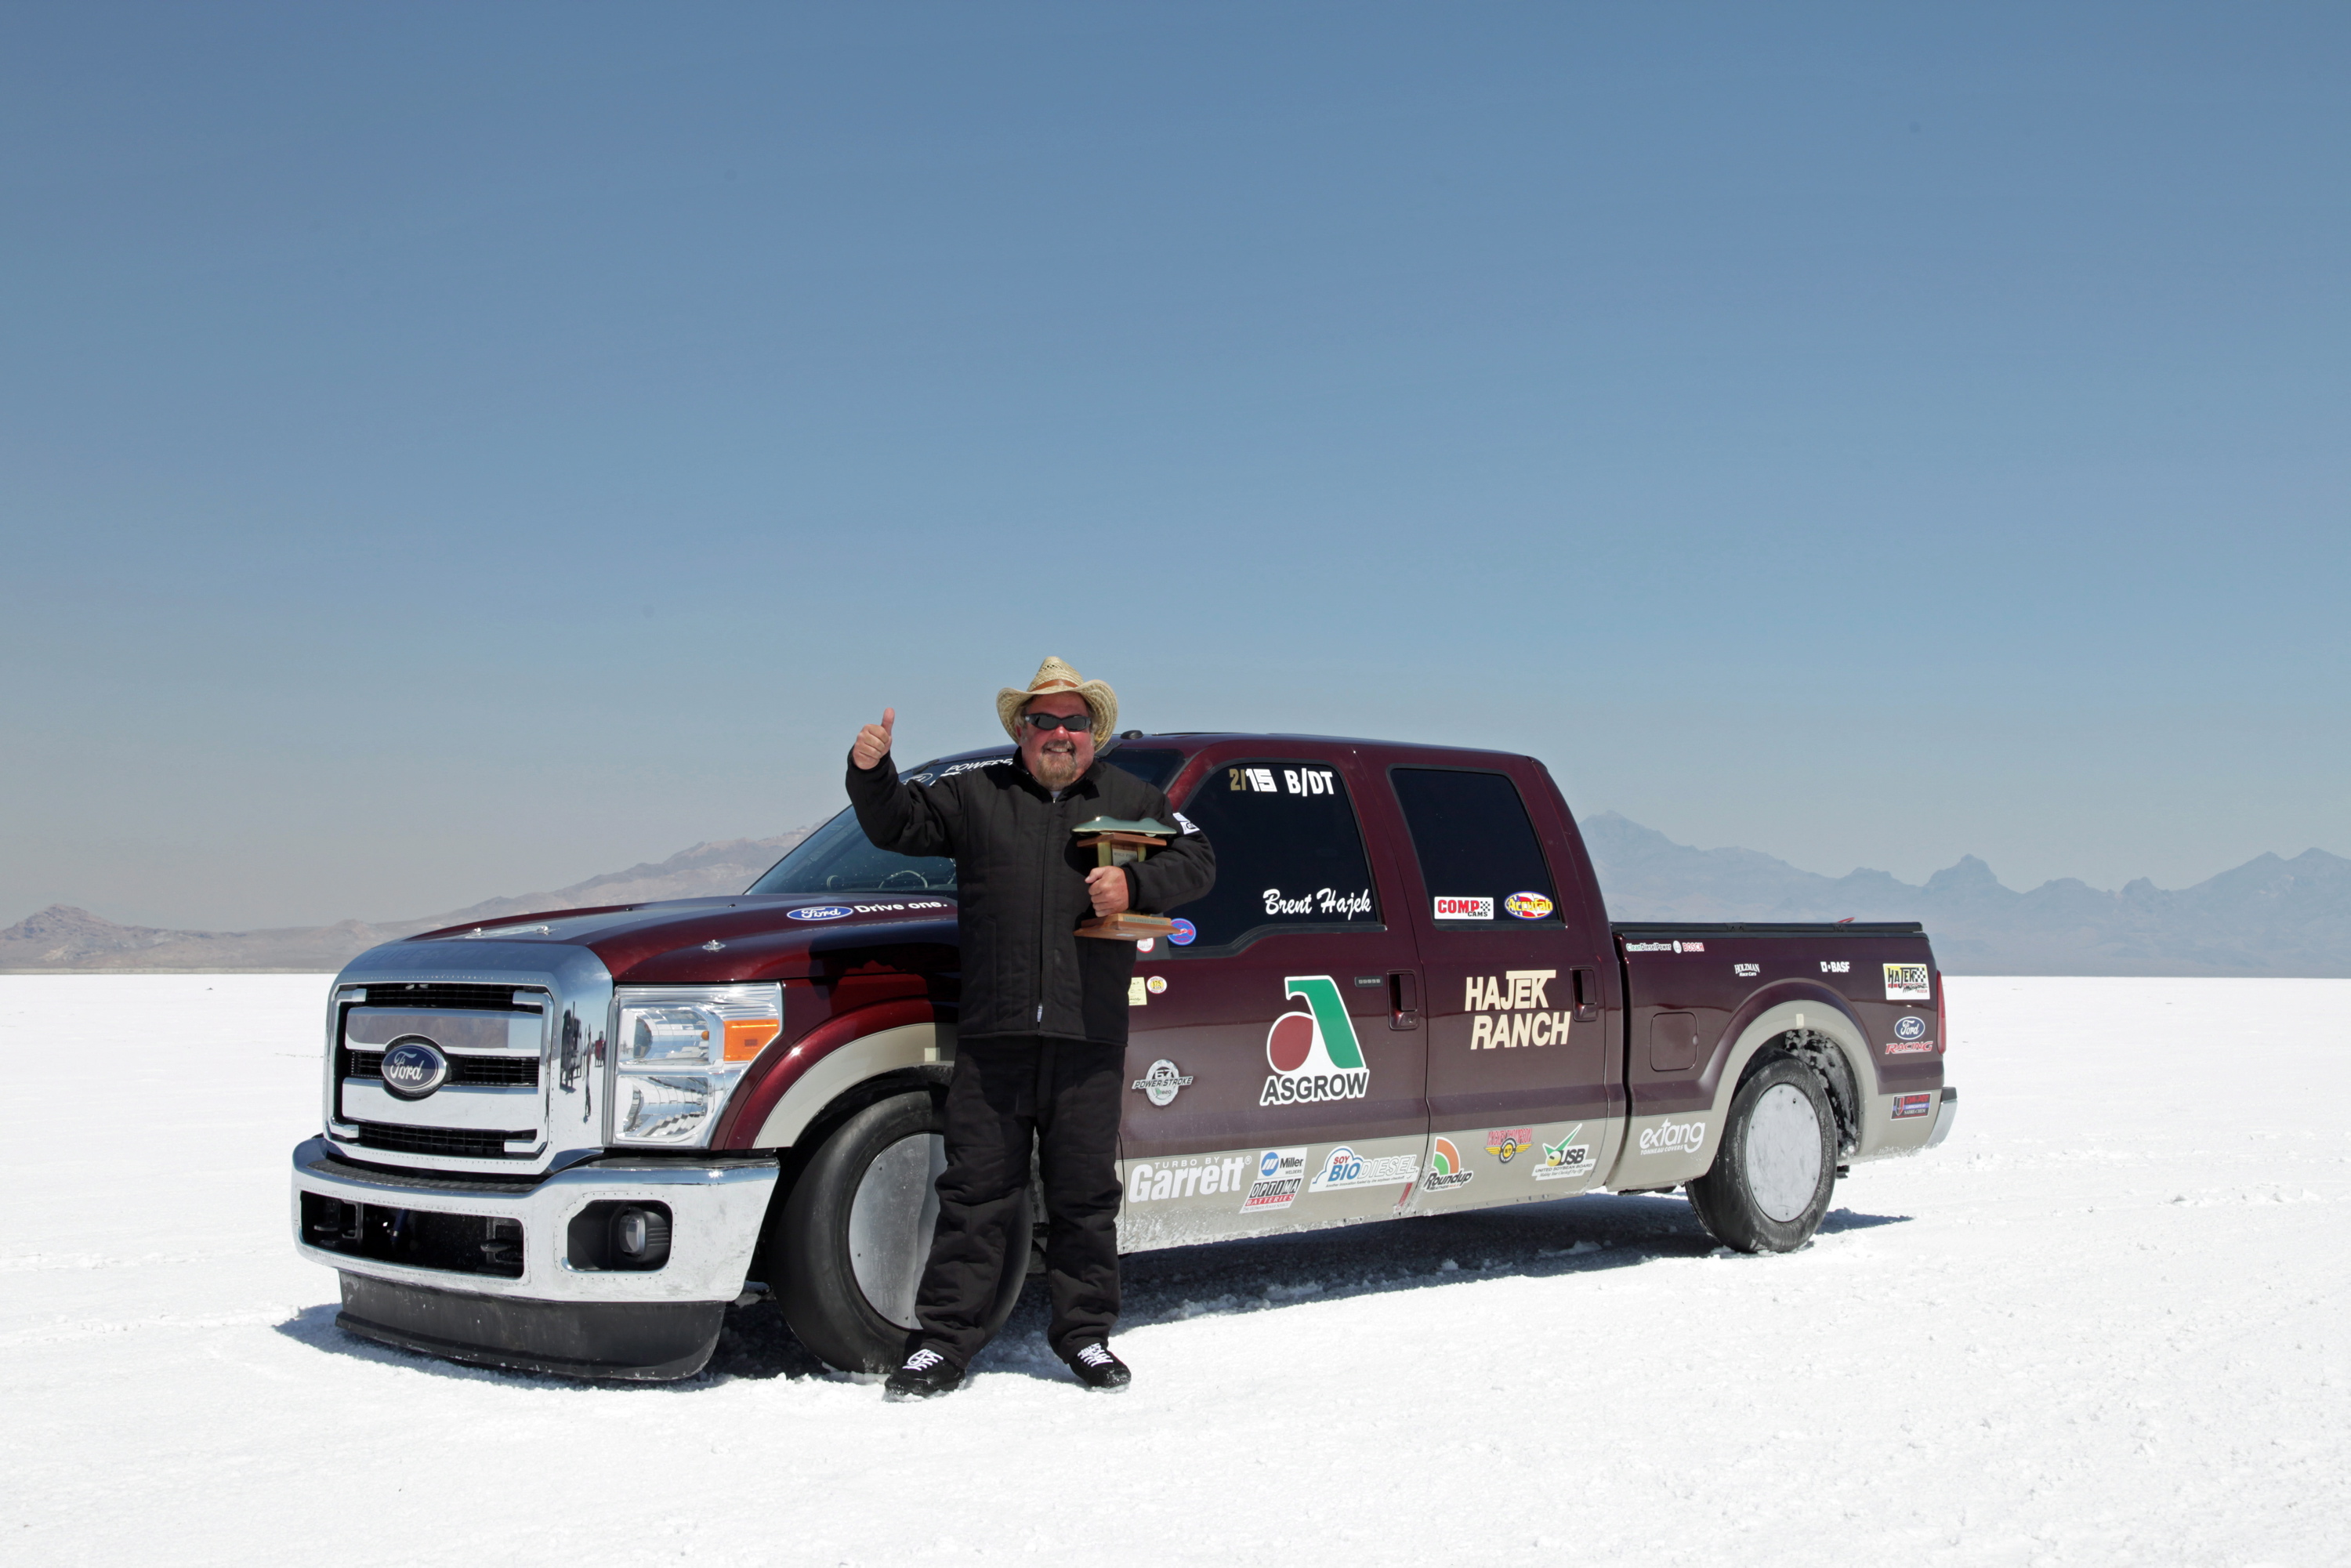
<point>1057,770</point>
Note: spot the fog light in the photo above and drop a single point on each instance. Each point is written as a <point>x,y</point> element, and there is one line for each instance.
<point>640,1238</point>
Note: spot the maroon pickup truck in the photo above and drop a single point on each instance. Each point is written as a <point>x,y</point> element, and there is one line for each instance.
<point>568,1142</point>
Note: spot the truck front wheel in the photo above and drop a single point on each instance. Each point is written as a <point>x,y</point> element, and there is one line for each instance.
<point>853,1237</point>
<point>1776,1166</point>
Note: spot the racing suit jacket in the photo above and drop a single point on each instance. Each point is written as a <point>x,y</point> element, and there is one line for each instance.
<point>1020,887</point>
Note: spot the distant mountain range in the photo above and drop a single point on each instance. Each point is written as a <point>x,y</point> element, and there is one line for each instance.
<point>64,939</point>
<point>2268,917</point>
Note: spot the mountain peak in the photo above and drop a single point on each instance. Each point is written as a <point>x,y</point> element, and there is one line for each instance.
<point>1965,875</point>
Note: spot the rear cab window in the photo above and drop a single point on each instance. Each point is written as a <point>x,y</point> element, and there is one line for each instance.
<point>1290,853</point>
<point>1480,859</point>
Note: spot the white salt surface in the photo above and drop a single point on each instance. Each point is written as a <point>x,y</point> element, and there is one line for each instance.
<point>2106,1323</point>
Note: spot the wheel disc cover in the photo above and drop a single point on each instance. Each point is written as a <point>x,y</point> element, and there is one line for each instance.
<point>890,1223</point>
<point>1782,1163</point>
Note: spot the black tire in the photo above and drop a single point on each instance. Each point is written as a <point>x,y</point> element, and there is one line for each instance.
<point>1776,1166</point>
<point>820,1238</point>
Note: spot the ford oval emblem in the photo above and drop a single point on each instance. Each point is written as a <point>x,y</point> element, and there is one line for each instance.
<point>413,1068</point>
<point>1911,1027</point>
<point>821,912</point>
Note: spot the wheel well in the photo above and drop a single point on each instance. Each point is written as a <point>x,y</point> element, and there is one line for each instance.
<point>828,1120</point>
<point>1828,1060</point>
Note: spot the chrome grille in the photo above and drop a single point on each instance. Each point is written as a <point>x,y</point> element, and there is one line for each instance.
<point>486,998</point>
<point>461,1143</point>
<point>522,1028</point>
<point>464,1071</point>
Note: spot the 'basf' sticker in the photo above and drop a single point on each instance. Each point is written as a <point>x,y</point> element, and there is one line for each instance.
<point>1907,983</point>
<point>1464,908</point>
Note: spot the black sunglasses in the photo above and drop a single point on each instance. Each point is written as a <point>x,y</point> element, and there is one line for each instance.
<point>1048,721</point>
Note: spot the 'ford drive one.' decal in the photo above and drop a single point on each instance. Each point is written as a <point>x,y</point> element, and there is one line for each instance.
<point>820,912</point>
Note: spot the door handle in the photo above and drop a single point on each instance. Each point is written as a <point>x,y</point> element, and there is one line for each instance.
<point>1403,1000</point>
<point>1587,994</point>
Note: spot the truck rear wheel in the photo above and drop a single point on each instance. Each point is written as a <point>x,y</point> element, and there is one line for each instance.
<point>1776,1166</point>
<point>853,1237</point>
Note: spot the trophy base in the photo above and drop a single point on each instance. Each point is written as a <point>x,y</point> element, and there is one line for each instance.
<point>1127,926</point>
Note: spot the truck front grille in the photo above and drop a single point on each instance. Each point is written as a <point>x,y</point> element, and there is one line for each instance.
<point>461,1145</point>
<point>484,998</point>
<point>472,1071</point>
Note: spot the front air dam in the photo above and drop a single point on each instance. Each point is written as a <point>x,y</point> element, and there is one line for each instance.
<point>641,1341</point>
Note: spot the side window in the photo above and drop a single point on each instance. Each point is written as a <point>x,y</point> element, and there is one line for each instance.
<point>1150,765</point>
<point>1288,854</point>
<point>1478,855</point>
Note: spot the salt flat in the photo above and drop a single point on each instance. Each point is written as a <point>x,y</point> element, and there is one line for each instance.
<point>2106,1323</point>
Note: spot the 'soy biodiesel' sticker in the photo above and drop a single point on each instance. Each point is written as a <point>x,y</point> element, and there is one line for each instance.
<point>1314,1055</point>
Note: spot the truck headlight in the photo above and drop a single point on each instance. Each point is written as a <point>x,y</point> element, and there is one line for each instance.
<point>677,1053</point>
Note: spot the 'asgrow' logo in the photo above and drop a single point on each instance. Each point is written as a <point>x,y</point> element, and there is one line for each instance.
<point>1314,1055</point>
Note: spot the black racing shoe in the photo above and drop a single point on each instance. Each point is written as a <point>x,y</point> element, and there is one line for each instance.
<point>1098,1369</point>
<point>926,1375</point>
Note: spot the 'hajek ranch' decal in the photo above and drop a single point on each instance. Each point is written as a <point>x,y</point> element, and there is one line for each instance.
<point>1522,996</point>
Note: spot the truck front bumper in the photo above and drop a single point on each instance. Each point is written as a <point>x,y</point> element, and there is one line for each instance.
<point>519,1277</point>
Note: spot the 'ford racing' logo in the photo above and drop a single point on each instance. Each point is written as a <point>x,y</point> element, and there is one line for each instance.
<point>821,912</point>
<point>413,1068</point>
<point>1912,1027</point>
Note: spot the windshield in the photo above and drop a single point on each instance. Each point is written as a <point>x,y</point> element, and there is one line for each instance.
<point>839,858</point>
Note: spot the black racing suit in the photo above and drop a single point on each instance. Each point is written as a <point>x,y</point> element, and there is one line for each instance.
<point>1041,1045</point>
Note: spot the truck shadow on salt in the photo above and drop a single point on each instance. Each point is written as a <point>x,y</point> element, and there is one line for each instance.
<point>1538,1241</point>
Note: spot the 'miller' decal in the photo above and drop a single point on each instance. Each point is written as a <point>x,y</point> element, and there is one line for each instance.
<point>1314,1055</point>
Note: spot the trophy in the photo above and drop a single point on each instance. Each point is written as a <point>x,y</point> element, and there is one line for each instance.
<point>1117,842</point>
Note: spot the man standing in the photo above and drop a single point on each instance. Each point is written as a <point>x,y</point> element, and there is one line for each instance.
<point>1040,1047</point>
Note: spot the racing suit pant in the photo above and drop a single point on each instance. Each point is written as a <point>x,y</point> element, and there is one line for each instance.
<point>1006,1091</point>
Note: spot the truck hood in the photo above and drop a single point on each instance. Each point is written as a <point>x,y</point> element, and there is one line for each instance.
<point>709,941</point>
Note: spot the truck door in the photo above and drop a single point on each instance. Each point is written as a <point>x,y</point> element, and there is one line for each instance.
<point>1518,1060</point>
<point>1272,1084</point>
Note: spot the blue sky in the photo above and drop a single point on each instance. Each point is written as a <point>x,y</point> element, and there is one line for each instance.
<point>452,451</point>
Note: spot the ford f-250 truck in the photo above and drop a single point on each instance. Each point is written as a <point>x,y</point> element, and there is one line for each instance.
<point>568,1142</point>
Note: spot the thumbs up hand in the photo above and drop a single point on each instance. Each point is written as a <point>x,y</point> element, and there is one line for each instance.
<point>874,740</point>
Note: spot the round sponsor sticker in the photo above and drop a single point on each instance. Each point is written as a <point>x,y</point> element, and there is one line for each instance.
<point>1185,933</point>
<point>1528,905</point>
<point>1145,944</point>
<point>1157,984</point>
<point>821,912</point>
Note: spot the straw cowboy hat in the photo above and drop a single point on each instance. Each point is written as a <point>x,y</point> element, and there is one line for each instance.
<point>1054,677</point>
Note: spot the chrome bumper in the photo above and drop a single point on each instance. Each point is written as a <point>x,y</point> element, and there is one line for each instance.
<point>1947,1111</point>
<point>717,1209</point>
